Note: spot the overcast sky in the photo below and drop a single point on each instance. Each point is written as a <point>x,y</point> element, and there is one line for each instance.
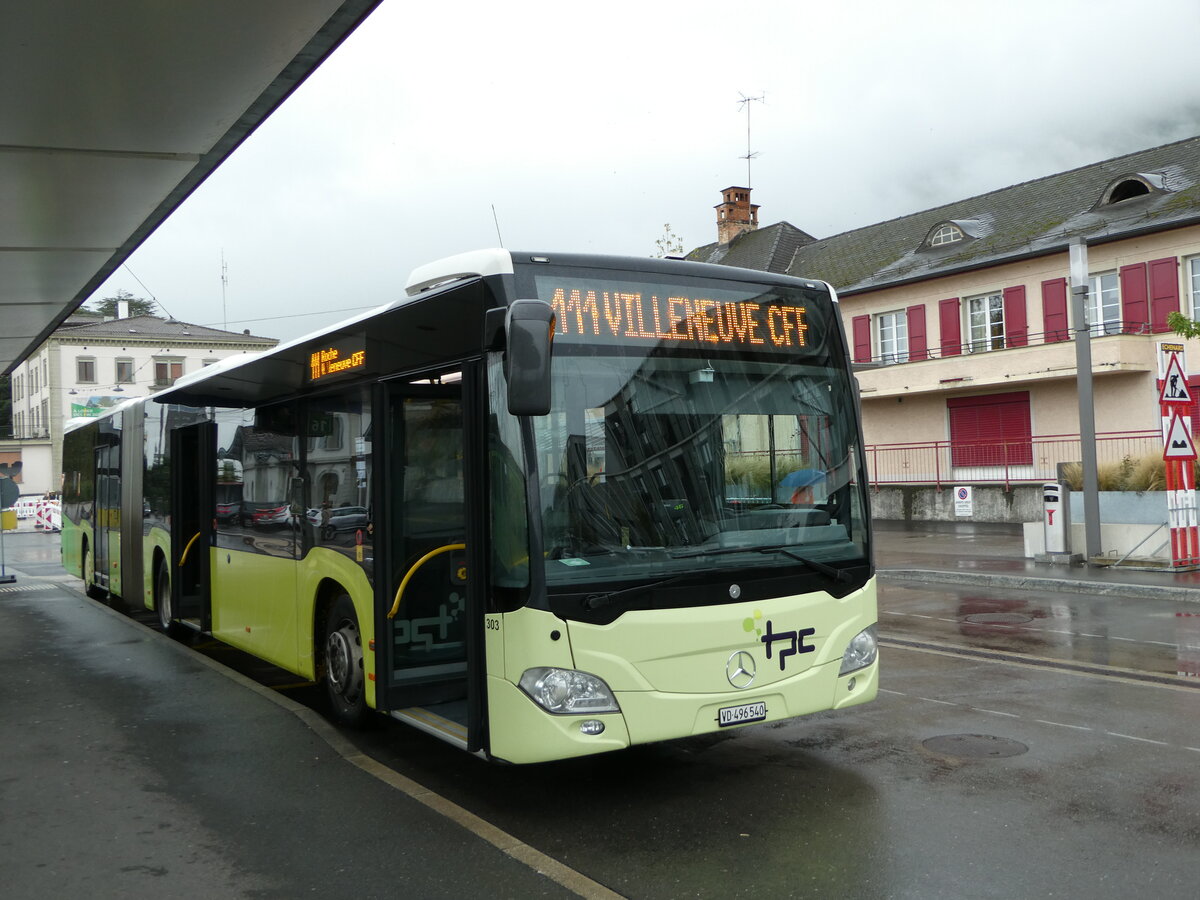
<point>588,131</point>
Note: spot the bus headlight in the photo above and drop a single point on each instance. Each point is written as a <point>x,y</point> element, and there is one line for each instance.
<point>860,652</point>
<point>568,692</point>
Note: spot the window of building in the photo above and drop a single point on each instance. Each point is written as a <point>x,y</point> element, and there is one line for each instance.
<point>990,430</point>
<point>1104,304</point>
<point>124,371</point>
<point>893,337</point>
<point>985,323</point>
<point>1192,285</point>
<point>1127,190</point>
<point>85,370</point>
<point>166,371</point>
<point>946,234</point>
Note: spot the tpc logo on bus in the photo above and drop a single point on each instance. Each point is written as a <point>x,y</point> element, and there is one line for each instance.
<point>793,639</point>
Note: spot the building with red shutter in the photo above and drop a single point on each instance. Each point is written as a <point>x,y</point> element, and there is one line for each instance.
<point>958,317</point>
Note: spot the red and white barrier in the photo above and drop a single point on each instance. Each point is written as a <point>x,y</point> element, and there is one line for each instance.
<point>48,517</point>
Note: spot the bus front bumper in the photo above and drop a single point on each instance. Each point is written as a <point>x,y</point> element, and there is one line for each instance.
<point>522,732</point>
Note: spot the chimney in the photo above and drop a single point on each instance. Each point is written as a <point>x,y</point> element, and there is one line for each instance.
<point>122,309</point>
<point>736,214</point>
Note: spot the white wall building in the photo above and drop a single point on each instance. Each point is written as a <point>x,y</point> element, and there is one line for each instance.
<point>88,365</point>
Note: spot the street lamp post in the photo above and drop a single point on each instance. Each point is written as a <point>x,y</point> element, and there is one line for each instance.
<point>1087,407</point>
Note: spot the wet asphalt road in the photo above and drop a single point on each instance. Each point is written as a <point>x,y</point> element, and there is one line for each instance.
<point>997,776</point>
<point>1016,750</point>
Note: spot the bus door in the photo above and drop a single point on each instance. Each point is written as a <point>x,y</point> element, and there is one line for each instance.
<point>193,459</point>
<point>429,608</point>
<point>107,534</point>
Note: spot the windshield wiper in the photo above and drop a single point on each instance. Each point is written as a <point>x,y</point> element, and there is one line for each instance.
<point>824,568</point>
<point>595,601</point>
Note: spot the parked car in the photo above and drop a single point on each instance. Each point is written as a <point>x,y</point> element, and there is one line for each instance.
<point>343,518</point>
<point>272,516</point>
<point>228,512</point>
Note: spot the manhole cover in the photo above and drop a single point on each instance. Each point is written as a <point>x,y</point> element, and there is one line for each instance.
<point>998,619</point>
<point>974,746</point>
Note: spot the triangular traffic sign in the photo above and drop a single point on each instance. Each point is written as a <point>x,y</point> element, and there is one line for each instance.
<point>1174,386</point>
<point>1179,444</point>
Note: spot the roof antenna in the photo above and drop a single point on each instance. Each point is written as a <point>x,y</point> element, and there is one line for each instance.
<point>744,103</point>
<point>496,219</point>
<point>224,283</point>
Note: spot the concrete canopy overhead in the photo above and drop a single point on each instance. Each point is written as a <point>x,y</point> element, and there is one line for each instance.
<point>113,113</point>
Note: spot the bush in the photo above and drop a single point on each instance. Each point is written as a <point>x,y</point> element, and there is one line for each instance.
<point>1147,473</point>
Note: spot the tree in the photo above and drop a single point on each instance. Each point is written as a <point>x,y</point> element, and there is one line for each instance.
<point>138,306</point>
<point>670,244</point>
<point>1182,325</point>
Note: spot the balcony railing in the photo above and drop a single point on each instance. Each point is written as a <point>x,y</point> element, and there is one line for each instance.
<point>1004,462</point>
<point>1000,342</point>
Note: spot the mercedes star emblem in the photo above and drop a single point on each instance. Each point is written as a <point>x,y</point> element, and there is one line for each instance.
<point>740,669</point>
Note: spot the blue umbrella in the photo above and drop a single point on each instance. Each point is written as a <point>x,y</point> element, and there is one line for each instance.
<point>802,478</point>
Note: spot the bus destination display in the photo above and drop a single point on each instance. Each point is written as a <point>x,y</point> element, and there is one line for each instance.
<point>338,358</point>
<point>634,313</point>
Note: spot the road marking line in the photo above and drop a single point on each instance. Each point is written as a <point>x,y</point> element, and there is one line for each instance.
<point>1042,664</point>
<point>1133,737</point>
<point>942,702</point>
<point>1064,725</point>
<point>996,712</point>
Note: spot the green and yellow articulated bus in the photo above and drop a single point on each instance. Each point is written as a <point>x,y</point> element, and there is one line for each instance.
<point>543,506</point>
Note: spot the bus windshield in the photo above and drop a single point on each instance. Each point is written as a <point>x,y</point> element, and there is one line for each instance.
<point>672,459</point>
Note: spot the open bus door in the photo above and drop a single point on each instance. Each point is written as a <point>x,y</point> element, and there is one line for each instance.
<point>193,460</point>
<point>430,662</point>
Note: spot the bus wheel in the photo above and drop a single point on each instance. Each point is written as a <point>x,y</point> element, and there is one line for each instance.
<point>89,575</point>
<point>344,679</point>
<point>162,603</point>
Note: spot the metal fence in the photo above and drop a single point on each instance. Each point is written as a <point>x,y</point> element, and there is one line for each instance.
<point>1002,462</point>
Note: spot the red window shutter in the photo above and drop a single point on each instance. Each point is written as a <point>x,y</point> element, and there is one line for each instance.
<point>918,346</point>
<point>1164,291</point>
<point>991,430</point>
<point>1193,410</point>
<point>950,325</point>
<point>1016,327</point>
<point>1134,310</point>
<point>1054,310</point>
<point>862,339</point>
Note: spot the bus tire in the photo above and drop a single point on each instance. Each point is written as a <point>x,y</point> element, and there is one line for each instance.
<point>89,575</point>
<point>162,604</point>
<point>345,678</point>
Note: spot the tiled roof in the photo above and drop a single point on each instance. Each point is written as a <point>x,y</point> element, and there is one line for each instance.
<point>769,249</point>
<point>157,328</point>
<point>1026,219</point>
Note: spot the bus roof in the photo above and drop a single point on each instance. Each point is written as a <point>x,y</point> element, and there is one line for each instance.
<point>410,331</point>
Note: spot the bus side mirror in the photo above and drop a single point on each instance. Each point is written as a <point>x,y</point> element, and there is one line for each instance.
<point>529,331</point>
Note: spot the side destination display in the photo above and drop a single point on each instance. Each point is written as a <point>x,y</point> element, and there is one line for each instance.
<point>623,313</point>
<point>337,358</point>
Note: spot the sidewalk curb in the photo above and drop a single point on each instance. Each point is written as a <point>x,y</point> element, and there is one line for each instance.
<point>1027,582</point>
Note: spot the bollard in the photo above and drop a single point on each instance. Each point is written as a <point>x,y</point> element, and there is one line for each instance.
<point>1056,518</point>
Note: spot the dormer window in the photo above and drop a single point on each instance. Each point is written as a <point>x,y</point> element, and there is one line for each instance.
<point>946,234</point>
<point>1132,186</point>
